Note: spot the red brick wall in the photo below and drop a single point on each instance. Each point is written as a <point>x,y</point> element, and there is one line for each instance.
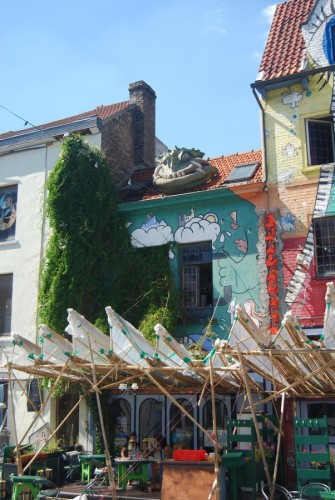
<point>118,144</point>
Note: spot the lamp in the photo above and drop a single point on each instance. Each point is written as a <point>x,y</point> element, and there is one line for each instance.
<point>128,389</point>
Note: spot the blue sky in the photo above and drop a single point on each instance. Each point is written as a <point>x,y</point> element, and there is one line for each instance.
<point>62,58</point>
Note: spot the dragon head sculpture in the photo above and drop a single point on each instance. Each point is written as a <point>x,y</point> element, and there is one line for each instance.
<point>180,169</point>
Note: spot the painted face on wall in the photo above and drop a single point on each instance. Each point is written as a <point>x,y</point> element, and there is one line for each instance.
<point>317,33</point>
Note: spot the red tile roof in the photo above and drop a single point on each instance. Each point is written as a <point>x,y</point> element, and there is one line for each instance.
<point>103,112</point>
<point>224,165</point>
<point>285,47</point>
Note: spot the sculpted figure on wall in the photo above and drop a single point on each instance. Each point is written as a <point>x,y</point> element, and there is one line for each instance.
<point>180,169</point>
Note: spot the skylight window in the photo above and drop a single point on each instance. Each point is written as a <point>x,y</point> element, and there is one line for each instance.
<point>242,172</point>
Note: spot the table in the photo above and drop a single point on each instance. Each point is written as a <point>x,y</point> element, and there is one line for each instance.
<point>24,483</point>
<point>136,470</point>
<point>194,480</point>
<point>87,463</point>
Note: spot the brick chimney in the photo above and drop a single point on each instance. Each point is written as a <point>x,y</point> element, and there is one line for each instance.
<point>142,95</point>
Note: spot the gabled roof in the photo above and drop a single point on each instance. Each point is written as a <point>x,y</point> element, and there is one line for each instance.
<point>224,164</point>
<point>285,49</point>
<point>101,112</point>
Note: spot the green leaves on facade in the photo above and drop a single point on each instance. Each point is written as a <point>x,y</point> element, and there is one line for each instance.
<point>90,262</point>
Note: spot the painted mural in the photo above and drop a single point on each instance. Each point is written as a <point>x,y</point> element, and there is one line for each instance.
<point>302,182</point>
<point>8,198</point>
<point>232,231</point>
<point>318,35</point>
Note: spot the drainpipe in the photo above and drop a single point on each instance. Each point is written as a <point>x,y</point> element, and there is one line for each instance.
<point>265,170</point>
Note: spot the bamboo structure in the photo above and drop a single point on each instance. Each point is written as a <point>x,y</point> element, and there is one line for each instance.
<point>292,365</point>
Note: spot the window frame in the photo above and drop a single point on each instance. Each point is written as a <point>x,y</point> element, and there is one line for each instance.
<point>320,248</point>
<point>195,265</point>
<point>325,119</point>
<point>4,296</point>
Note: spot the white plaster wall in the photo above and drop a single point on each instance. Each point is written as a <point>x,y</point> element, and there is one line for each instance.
<point>22,257</point>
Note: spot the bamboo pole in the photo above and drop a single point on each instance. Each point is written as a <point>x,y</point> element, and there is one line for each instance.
<point>254,417</point>
<point>103,431</point>
<point>279,436</point>
<point>57,428</point>
<point>294,384</point>
<point>39,413</point>
<point>216,445</point>
<point>181,408</point>
<point>18,453</point>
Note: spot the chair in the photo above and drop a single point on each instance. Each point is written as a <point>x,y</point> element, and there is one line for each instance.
<point>312,490</point>
<point>276,492</point>
<point>47,489</point>
<point>73,467</point>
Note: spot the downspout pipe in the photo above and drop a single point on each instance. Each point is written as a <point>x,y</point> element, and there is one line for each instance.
<point>265,169</point>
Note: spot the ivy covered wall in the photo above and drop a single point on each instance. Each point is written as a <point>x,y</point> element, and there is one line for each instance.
<point>90,262</point>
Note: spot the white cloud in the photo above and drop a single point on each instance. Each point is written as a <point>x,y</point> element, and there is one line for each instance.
<point>268,12</point>
<point>154,236</point>
<point>197,229</point>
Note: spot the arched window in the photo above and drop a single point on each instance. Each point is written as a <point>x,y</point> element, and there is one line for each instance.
<point>181,426</point>
<point>150,418</point>
<point>34,399</point>
<point>122,412</point>
<point>221,418</point>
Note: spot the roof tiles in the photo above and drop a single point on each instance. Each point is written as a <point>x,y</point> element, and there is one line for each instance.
<point>102,112</point>
<point>285,48</point>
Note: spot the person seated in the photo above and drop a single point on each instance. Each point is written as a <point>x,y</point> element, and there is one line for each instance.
<point>130,446</point>
<point>166,448</point>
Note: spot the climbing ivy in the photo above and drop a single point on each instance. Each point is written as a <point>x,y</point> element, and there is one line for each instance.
<point>90,262</point>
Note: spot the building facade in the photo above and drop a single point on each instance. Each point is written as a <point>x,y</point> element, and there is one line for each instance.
<point>125,132</point>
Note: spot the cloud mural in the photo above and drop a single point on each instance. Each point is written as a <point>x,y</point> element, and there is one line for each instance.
<point>198,229</point>
<point>292,99</point>
<point>151,233</point>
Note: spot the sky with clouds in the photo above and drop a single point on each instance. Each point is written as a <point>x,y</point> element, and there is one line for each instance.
<point>62,58</point>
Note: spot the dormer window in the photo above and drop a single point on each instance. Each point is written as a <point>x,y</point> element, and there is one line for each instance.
<point>242,172</point>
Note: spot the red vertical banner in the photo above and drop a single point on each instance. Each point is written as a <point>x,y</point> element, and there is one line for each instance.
<point>272,271</point>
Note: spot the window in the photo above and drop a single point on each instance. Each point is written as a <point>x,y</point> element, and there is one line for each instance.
<point>320,140</point>
<point>242,172</point>
<point>34,395</point>
<point>221,418</point>
<point>324,231</point>
<point>182,427</point>
<point>122,417</point>
<point>197,284</point>
<point>6,286</point>
<point>8,197</point>
<point>151,413</point>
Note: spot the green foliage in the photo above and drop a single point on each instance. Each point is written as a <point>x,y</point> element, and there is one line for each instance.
<point>90,262</point>
<point>60,389</point>
<point>81,207</point>
<point>165,315</point>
